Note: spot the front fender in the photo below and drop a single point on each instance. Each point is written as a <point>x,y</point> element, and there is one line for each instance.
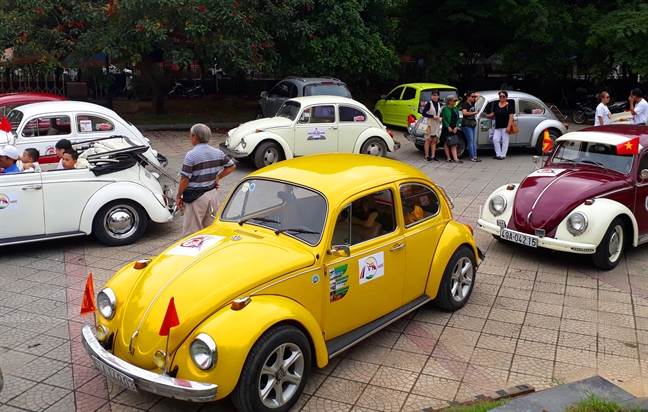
<point>123,190</point>
<point>454,235</point>
<point>509,195</point>
<point>599,215</point>
<point>546,124</point>
<point>254,139</point>
<point>373,132</point>
<point>235,332</point>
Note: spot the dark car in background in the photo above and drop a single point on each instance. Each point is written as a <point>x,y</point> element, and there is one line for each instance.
<point>292,86</point>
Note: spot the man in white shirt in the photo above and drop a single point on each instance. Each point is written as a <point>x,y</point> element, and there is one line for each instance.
<point>638,107</point>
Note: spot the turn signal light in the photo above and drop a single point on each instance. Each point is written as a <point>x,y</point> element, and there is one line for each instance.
<point>470,228</point>
<point>589,202</point>
<point>141,264</point>
<point>159,358</point>
<point>239,304</point>
<point>510,187</point>
<point>102,333</point>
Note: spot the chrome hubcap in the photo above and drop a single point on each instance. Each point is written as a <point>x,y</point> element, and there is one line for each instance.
<point>374,150</point>
<point>462,279</point>
<point>281,375</point>
<point>616,240</point>
<point>121,221</point>
<point>271,156</point>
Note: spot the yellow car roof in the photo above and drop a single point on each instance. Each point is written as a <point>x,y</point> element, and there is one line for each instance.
<point>339,175</point>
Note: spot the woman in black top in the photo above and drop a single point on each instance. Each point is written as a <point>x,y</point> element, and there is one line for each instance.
<point>503,113</point>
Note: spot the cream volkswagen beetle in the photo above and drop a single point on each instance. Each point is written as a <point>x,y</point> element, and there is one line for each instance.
<point>310,125</point>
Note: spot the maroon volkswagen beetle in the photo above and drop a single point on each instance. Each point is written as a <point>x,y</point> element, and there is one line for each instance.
<point>590,197</point>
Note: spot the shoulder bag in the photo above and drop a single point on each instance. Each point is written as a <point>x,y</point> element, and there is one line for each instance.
<point>452,139</point>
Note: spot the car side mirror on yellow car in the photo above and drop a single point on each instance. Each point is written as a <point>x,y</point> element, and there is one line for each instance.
<point>340,250</point>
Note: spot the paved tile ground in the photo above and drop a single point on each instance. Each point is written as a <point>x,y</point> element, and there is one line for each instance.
<point>535,317</point>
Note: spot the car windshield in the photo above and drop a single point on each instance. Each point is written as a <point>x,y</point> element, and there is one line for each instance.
<point>590,153</point>
<point>326,89</point>
<point>289,109</point>
<point>288,209</point>
<point>15,117</point>
<point>426,95</point>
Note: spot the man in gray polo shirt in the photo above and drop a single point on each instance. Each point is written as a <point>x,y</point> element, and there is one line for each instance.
<point>202,169</point>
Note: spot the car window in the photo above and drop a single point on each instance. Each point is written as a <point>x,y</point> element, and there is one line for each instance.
<point>491,104</point>
<point>643,164</point>
<point>409,94</point>
<point>282,89</point>
<point>293,90</point>
<point>55,125</point>
<point>395,94</point>
<point>14,118</point>
<point>327,89</point>
<point>590,153</point>
<point>529,107</point>
<point>351,114</point>
<point>288,209</point>
<point>365,218</point>
<point>89,123</point>
<point>426,95</point>
<point>318,114</point>
<point>289,109</point>
<point>419,203</point>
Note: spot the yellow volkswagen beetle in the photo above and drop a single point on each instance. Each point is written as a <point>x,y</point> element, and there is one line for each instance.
<point>307,258</point>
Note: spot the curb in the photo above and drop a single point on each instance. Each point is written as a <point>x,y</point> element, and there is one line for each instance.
<point>513,392</point>
<point>183,126</point>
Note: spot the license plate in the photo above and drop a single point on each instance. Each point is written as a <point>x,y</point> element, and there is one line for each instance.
<point>116,376</point>
<point>518,237</point>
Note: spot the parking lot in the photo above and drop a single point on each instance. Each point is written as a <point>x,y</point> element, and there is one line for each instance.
<point>535,317</point>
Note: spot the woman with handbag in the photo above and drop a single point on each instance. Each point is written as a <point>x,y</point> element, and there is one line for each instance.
<point>469,123</point>
<point>450,123</point>
<point>432,114</point>
<point>503,113</point>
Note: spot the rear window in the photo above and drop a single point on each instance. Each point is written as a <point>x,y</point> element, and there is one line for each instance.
<point>327,89</point>
<point>426,95</point>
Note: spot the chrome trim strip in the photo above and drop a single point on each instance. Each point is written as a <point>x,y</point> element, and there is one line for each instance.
<point>285,279</point>
<point>547,188</point>
<point>162,385</point>
<point>612,192</point>
<point>40,238</point>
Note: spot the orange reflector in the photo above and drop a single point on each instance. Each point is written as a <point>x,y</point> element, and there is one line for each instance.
<point>589,202</point>
<point>471,229</point>
<point>510,187</point>
<point>258,131</point>
<point>141,264</point>
<point>239,304</point>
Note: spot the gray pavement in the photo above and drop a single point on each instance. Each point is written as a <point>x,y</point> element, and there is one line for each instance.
<point>535,317</point>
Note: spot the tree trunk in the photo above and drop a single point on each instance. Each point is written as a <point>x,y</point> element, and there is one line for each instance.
<point>157,87</point>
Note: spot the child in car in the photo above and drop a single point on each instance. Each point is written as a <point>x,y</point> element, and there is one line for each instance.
<point>69,159</point>
<point>28,162</point>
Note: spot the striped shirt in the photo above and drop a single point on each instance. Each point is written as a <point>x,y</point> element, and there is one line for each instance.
<point>203,163</point>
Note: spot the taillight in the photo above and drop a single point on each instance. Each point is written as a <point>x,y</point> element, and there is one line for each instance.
<point>390,134</point>
<point>411,119</point>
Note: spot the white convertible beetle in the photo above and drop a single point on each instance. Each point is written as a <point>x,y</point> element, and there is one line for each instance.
<point>309,125</point>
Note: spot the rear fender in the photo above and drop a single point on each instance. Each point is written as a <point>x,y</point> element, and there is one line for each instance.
<point>373,132</point>
<point>538,132</point>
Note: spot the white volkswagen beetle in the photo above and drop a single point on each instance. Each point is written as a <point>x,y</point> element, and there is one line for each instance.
<point>109,194</point>
<point>309,125</point>
<point>41,125</point>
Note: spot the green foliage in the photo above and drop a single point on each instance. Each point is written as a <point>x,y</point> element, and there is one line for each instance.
<point>593,403</point>
<point>479,406</point>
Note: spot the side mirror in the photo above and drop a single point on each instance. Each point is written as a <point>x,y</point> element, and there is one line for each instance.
<point>644,174</point>
<point>340,251</point>
<point>383,97</point>
<point>264,94</point>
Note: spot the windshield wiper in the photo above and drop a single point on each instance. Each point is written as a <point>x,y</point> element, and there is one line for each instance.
<point>259,218</point>
<point>564,158</point>
<point>594,162</point>
<point>297,230</point>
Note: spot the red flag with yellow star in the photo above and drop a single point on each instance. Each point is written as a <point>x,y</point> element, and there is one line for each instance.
<point>88,303</point>
<point>631,147</point>
<point>547,143</point>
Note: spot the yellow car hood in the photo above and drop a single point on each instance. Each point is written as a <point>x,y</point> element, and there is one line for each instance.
<point>201,273</point>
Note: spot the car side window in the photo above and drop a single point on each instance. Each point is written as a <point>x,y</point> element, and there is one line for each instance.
<point>294,92</point>
<point>321,114</point>
<point>370,216</point>
<point>419,203</point>
<point>643,163</point>
<point>58,125</point>
<point>351,114</point>
<point>409,94</point>
<point>492,103</point>
<point>89,123</point>
<point>395,95</point>
<point>282,90</point>
<point>529,107</point>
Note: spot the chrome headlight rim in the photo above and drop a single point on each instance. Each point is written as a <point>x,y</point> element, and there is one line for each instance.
<point>243,142</point>
<point>492,207</point>
<point>106,311</point>
<point>577,230</point>
<point>207,345</point>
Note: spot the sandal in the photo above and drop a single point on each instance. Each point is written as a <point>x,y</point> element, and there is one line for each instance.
<point>475,160</point>
<point>458,161</point>
<point>450,161</point>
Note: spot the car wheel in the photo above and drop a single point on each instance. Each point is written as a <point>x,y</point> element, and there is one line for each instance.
<point>374,146</point>
<point>461,147</point>
<point>609,251</point>
<point>579,116</point>
<point>458,280</point>
<point>275,372</point>
<point>553,135</point>
<point>120,222</point>
<point>379,115</point>
<point>268,153</point>
<point>420,147</point>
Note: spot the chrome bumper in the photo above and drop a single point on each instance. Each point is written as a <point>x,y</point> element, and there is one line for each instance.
<point>134,378</point>
<point>397,145</point>
<point>232,153</point>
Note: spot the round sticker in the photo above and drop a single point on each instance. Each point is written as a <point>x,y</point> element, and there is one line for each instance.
<point>245,187</point>
<point>252,187</point>
<point>316,279</point>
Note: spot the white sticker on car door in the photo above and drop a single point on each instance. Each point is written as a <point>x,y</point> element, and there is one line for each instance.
<point>372,267</point>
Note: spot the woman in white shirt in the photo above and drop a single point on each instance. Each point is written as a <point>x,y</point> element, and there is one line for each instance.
<point>603,114</point>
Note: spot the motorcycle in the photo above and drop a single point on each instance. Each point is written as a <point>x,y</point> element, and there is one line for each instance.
<point>179,90</point>
<point>588,113</point>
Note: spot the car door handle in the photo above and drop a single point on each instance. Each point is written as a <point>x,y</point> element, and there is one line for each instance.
<point>33,187</point>
<point>398,247</point>
<point>333,127</point>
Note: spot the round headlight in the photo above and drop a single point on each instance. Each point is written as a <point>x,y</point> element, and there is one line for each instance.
<point>497,205</point>
<point>106,303</point>
<point>576,223</point>
<point>243,143</point>
<point>227,140</point>
<point>203,351</point>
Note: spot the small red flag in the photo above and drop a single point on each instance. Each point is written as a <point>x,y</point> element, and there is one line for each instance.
<point>547,143</point>
<point>631,147</point>
<point>170,319</point>
<point>5,126</point>
<point>88,304</point>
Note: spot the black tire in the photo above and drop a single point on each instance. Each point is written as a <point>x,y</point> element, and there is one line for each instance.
<point>120,222</point>
<point>379,115</point>
<point>609,251</point>
<point>458,280</point>
<point>421,147</point>
<point>264,356</point>
<point>374,146</point>
<point>579,117</point>
<point>553,135</point>
<point>462,147</point>
<point>268,153</point>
